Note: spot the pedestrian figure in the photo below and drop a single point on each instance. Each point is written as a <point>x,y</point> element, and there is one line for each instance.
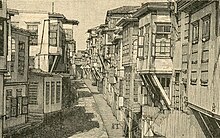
<point>117,126</point>
<point>113,126</point>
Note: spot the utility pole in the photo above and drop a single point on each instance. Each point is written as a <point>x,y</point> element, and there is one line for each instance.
<point>52,7</point>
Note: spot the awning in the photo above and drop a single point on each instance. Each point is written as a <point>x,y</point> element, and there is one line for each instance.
<point>152,80</point>
<point>209,123</point>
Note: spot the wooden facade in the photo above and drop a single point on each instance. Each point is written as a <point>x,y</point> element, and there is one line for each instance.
<point>45,93</point>
<point>16,80</point>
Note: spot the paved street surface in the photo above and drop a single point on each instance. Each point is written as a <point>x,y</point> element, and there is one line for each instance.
<point>105,112</point>
<point>87,101</point>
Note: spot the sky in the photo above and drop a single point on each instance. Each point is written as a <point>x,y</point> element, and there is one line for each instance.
<point>89,13</point>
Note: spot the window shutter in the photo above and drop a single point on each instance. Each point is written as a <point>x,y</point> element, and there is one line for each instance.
<point>140,53</point>
<point>136,91</point>
<point>24,109</point>
<point>14,107</point>
<point>146,45</point>
<point>19,105</point>
<point>8,107</point>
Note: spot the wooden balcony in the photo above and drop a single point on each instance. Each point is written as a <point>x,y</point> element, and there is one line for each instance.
<point>149,111</point>
<point>126,60</point>
<point>136,107</point>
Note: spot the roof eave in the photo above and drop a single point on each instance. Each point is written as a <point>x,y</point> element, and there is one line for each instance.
<point>124,21</point>
<point>72,22</point>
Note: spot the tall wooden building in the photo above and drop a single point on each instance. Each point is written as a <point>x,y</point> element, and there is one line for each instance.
<point>3,57</point>
<point>16,79</point>
<point>198,77</point>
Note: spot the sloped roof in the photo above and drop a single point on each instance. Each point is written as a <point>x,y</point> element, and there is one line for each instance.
<point>151,6</point>
<point>12,12</point>
<point>21,30</point>
<point>63,18</point>
<point>123,10</point>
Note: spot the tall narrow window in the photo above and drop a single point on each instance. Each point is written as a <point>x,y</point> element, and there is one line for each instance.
<point>33,91</point>
<point>14,107</point>
<point>140,49</point>
<point>24,105</point>
<point>19,97</point>
<point>12,54</point>
<point>204,64</point>
<point>162,40</point>
<point>136,84</point>
<point>146,40</point>
<point>58,92</point>
<point>2,37</point>
<point>162,46</point>
<point>177,77</point>
<point>69,34</point>
<point>8,102</point>
<point>52,92</point>
<point>195,32</point>
<point>53,38</point>
<point>21,57</point>
<point>206,28</point>
<point>47,92</point>
<point>194,67</point>
<point>34,33</point>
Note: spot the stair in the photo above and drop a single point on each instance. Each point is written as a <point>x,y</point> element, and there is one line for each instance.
<point>35,117</point>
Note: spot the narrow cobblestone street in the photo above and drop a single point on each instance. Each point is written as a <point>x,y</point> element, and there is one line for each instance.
<point>96,104</point>
<point>105,112</point>
<point>87,101</point>
<point>109,69</point>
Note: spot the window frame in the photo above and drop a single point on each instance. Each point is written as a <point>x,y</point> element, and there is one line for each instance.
<point>30,99</point>
<point>195,33</point>
<point>33,41</point>
<point>53,92</point>
<point>160,50</point>
<point>47,87</point>
<point>24,109</point>
<point>58,91</point>
<point>2,39</point>
<point>206,28</point>
<point>140,47</point>
<point>21,57</point>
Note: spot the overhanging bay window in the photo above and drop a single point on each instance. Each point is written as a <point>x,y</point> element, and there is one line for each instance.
<point>162,46</point>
